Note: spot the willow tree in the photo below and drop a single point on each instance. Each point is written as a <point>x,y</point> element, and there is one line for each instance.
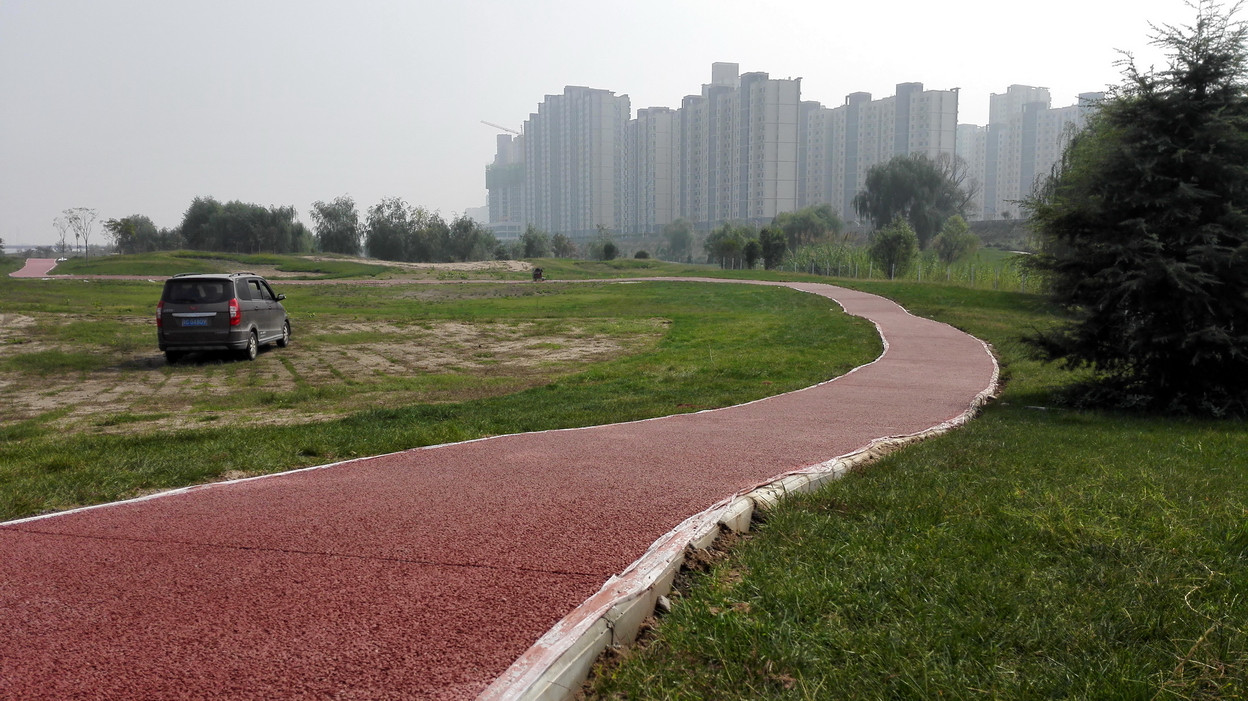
<point>921,190</point>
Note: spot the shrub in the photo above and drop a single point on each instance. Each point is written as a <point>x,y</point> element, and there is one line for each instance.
<point>894,247</point>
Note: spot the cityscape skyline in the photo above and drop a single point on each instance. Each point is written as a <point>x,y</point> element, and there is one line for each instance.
<point>748,148</point>
<point>137,107</point>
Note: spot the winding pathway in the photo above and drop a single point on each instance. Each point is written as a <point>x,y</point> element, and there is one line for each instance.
<point>426,573</point>
<point>35,267</point>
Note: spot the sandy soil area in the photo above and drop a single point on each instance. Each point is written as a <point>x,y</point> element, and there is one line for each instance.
<point>330,369</point>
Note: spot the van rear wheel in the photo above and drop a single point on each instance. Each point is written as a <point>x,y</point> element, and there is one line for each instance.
<point>253,347</point>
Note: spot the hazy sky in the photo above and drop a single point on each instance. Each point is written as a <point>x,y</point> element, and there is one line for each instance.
<point>138,106</point>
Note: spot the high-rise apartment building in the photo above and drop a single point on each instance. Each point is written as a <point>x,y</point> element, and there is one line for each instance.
<point>728,154</point>
<point>1055,127</point>
<point>972,141</point>
<point>821,158</point>
<point>746,148</point>
<point>841,144</point>
<point>739,148</point>
<point>573,161</point>
<point>504,181</point>
<point>705,122</point>
<point>767,166</point>
<point>651,171</point>
<point>1024,138</point>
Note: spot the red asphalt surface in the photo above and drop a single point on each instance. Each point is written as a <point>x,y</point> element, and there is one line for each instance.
<point>35,267</point>
<point>426,573</point>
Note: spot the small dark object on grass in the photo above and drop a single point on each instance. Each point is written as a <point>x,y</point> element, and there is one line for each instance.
<point>537,275</point>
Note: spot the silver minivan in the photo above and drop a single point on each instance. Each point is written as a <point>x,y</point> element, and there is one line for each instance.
<point>208,312</point>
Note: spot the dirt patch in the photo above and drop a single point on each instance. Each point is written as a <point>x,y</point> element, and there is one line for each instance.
<point>13,327</point>
<point>332,368</point>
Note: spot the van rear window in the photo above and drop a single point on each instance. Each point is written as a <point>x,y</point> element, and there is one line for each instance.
<point>198,291</point>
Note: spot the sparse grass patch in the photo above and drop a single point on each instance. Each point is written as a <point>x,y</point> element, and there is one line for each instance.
<point>53,362</point>
<point>128,418</point>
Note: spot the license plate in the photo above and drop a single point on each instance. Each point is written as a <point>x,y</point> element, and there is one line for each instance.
<point>194,322</point>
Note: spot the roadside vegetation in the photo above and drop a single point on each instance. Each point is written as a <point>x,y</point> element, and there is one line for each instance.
<point>983,269</point>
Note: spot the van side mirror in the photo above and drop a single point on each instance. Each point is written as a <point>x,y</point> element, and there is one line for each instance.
<point>281,297</point>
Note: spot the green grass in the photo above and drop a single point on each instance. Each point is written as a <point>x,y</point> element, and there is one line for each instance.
<point>53,362</point>
<point>986,269</point>
<point>571,269</point>
<point>158,264</point>
<point>123,418</point>
<point>1034,553</point>
<point>723,344</point>
<point>167,263</point>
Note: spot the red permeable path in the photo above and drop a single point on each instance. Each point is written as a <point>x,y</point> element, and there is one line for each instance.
<point>35,267</point>
<point>421,574</point>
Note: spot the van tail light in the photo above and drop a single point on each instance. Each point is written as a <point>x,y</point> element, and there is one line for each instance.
<point>160,307</point>
<point>236,314</point>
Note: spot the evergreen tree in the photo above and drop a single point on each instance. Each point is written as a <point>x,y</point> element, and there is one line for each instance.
<point>774,245</point>
<point>752,251</point>
<point>1144,226</point>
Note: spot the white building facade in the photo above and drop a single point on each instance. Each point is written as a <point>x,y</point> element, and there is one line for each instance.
<point>840,145</point>
<point>1022,142</point>
<point>573,161</point>
<point>728,154</point>
<point>651,171</point>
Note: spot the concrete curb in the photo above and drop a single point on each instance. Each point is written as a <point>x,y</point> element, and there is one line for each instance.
<point>556,666</point>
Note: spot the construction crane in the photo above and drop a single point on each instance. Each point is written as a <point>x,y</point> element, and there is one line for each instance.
<point>499,126</point>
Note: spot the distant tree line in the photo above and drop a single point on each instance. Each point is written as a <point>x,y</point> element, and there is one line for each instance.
<point>241,227</point>
<point>138,234</point>
<point>739,245</point>
<point>209,225</point>
<point>926,193</point>
<point>393,230</point>
<point>396,230</point>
